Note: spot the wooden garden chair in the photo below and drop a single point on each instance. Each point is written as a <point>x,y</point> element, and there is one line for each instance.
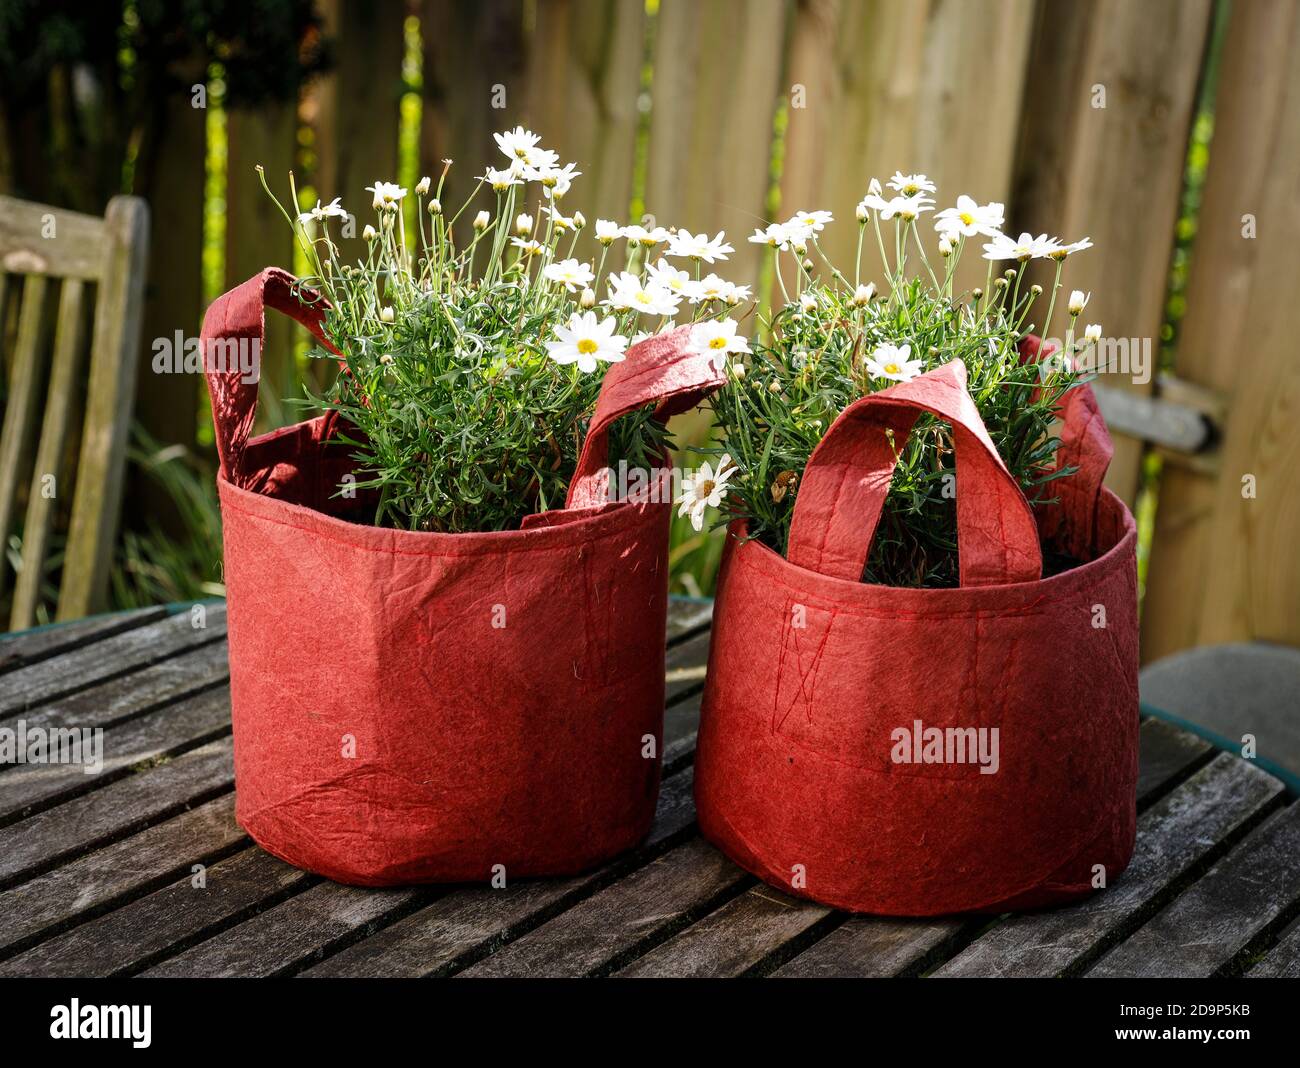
<point>44,251</point>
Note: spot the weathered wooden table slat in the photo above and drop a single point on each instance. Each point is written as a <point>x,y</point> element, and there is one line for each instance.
<point>141,869</point>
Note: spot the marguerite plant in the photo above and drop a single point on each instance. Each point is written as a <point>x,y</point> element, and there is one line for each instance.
<point>471,370</point>
<point>835,337</point>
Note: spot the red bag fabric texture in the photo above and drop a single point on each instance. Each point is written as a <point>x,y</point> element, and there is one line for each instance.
<point>385,730</point>
<point>840,756</point>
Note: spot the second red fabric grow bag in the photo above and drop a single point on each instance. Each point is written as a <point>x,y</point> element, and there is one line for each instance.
<point>415,707</point>
<point>813,675</point>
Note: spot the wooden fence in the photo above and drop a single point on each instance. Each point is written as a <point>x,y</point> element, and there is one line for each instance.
<point>1075,113</point>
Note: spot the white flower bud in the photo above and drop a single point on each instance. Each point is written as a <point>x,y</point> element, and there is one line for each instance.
<point>945,246</point>
<point>587,299</point>
<point>422,186</point>
<point>435,206</point>
<point>861,213</point>
<point>808,302</point>
<point>524,225</point>
<point>737,370</point>
<point>774,386</point>
<point>579,220</point>
<point>1078,301</point>
<point>1092,332</point>
<point>386,359</point>
<point>386,313</point>
<point>369,233</point>
<point>481,220</point>
<point>863,294</point>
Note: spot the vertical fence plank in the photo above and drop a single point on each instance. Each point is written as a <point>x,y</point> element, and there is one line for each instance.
<point>474,60</point>
<point>256,234</point>
<point>357,106</point>
<point>167,404</point>
<point>584,69</point>
<point>717,75</point>
<point>1115,172</point>
<point>1224,567</point>
<point>932,87</point>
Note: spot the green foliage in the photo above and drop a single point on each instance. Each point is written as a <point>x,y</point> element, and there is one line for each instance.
<point>458,415</point>
<point>813,364</point>
<point>462,421</point>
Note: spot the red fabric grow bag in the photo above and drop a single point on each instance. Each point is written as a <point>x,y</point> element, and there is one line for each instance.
<point>800,775</point>
<point>472,745</point>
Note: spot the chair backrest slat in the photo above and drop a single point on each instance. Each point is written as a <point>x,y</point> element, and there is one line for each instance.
<point>20,412</point>
<point>101,468</point>
<point>42,501</point>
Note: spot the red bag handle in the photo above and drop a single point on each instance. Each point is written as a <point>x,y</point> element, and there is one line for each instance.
<point>240,316</point>
<point>657,369</point>
<point>1086,445</point>
<point>847,478</point>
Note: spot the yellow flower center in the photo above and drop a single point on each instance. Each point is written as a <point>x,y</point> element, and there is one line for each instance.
<point>586,346</point>
<point>705,489</point>
<point>966,217</point>
<point>718,343</point>
<point>891,368</point>
<point>643,297</point>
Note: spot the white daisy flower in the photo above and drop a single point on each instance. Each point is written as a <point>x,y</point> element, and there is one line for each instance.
<point>527,246</point>
<point>910,184</point>
<point>716,339</point>
<point>556,181</point>
<point>699,246</point>
<point>1061,251</point>
<point>626,290</point>
<point>804,224</point>
<point>563,223</point>
<point>862,294</point>
<point>710,287</point>
<point>387,195</point>
<point>1025,247</point>
<point>500,181</point>
<point>331,210</point>
<point>968,219</point>
<point>607,232</point>
<point>776,235</point>
<point>704,489</point>
<point>665,274</point>
<point>584,340</point>
<point>1092,332</point>
<point>906,208</point>
<point>639,235</point>
<point>423,185</point>
<point>572,274</point>
<point>1078,301</point>
<point>734,294</point>
<point>889,361</point>
<point>518,144</point>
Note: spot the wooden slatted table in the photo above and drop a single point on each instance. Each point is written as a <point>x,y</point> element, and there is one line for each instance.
<point>96,871</point>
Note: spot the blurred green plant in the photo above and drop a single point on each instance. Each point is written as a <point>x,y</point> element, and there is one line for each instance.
<point>153,567</point>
